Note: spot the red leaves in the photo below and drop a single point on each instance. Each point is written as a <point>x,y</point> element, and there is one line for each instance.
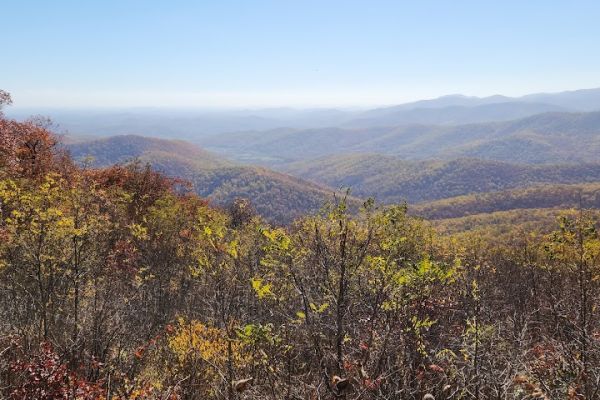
<point>349,366</point>
<point>185,233</point>
<point>46,377</point>
<point>146,184</point>
<point>141,350</point>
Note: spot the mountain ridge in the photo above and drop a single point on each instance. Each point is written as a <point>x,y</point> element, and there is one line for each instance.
<point>556,137</point>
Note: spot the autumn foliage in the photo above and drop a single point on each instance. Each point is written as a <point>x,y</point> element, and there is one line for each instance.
<point>43,375</point>
<point>118,283</point>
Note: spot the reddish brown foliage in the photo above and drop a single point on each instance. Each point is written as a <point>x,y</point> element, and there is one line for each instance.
<point>124,257</point>
<point>27,149</point>
<point>145,184</point>
<point>46,377</point>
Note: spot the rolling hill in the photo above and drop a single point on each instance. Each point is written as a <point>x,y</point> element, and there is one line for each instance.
<point>120,149</point>
<point>499,225</point>
<point>276,196</point>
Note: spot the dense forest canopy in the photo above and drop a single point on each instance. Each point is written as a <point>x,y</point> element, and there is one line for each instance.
<point>120,283</point>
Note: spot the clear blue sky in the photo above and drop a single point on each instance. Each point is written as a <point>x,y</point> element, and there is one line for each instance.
<point>284,52</point>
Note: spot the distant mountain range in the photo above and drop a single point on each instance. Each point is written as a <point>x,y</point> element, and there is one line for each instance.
<point>580,100</point>
<point>452,115</point>
<point>193,124</point>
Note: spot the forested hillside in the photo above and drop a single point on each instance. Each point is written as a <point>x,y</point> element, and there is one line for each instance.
<point>391,179</point>
<point>544,196</point>
<point>282,198</point>
<point>276,196</point>
<point>534,208</point>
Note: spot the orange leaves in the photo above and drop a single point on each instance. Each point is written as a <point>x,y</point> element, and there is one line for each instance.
<point>136,178</point>
<point>185,233</point>
<point>533,389</point>
<point>207,350</point>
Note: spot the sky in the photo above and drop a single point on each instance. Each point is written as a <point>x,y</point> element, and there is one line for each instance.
<point>303,53</point>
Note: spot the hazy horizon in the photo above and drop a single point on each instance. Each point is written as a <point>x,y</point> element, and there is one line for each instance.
<point>280,54</point>
<point>212,108</point>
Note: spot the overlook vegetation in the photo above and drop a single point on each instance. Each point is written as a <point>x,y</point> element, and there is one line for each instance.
<point>118,282</point>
